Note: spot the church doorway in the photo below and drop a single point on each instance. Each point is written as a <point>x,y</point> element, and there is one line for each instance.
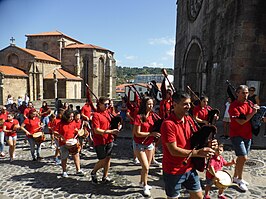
<point>194,70</point>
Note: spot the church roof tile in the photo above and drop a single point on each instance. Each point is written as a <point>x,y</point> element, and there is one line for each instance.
<point>12,71</point>
<point>62,74</point>
<point>53,33</point>
<point>88,46</point>
<point>40,55</point>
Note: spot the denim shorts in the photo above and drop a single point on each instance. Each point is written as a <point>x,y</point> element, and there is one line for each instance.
<point>64,152</point>
<point>241,145</point>
<point>103,151</point>
<point>11,138</point>
<point>190,180</point>
<point>209,181</point>
<point>142,147</point>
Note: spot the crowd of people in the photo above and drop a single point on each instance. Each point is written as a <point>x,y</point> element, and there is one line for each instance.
<point>171,125</point>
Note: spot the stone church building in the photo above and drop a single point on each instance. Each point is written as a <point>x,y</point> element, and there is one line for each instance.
<point>57,65</point>
<point>218,41</point>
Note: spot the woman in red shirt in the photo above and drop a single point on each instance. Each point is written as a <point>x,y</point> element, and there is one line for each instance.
<point>32,125</point>
<point>10,126</point>
<point>143,140</point>
<point>68,129</point>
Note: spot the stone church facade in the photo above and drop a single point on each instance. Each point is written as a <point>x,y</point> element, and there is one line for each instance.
<point>95,65</point>
<point>218,41</point>
<point>57,65</point>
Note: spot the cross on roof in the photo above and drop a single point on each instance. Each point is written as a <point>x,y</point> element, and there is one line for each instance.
<point>12,41</point>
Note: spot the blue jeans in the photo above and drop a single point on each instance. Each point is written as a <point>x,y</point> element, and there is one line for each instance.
<point>2,141</point>
<point>45,121</point>
<point>190,180</point>
<point>32,147</point>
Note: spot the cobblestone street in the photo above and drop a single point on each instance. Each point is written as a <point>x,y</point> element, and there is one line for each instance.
<point>24,178</point>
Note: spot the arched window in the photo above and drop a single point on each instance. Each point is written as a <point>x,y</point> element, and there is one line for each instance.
<point>45,46</point>
<point>13,60</point>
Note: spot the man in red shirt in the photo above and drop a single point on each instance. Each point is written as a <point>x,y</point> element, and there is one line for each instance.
<point>176,132</point>
<point>103,139</point>
<point>241,111</point>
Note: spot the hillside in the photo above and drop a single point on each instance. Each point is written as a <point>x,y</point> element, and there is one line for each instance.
<point>126,74</point>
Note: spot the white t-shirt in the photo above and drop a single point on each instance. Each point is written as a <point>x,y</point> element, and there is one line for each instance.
<point>226,114</point>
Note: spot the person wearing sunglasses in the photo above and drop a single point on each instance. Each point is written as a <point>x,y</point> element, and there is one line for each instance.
<point>252,96</point>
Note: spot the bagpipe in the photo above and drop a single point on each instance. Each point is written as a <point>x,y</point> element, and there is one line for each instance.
<point>256,120</point>
<point>156,126</point>
<point>157,122</point>
<point>201,137</point>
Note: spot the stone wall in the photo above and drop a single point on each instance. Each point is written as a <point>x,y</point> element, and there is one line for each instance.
<point>226,40</point>
<point>14,86</point>
<point>47,44</point>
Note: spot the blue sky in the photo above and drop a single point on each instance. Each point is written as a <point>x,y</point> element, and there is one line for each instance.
<point>140,32</point>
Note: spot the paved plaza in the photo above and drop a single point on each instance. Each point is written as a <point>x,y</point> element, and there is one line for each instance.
<point>24,178</point>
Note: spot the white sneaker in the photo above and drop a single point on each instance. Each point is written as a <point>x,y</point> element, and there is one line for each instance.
<point>242,186</point>
<point>65,175</point>
<point>146,191</point>
<point>136,161</point>
<point>237,181</point>
<point>148,186</point>
<point>157,163</point>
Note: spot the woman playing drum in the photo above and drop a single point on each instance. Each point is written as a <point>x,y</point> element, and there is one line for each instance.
<point>32,125</point>
<point>67,132</point>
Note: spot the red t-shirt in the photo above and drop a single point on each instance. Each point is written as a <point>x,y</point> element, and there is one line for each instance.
<point>43,110</point>
<point>237,108</point>
<point>201,112</point>
<point>86,110</point>
<point>67,130</point>
<point>4,117</point>
<point>217,164</point>
<point>32,125</point>
<point>165,108</point>
<point>26,111</point>
<point>78,123</point>
<point>9,126</point>
<point>101,120</point>
<point>133,113</point>
<point>53,124</point>
<point>174,130</point>
<point>144,127</point>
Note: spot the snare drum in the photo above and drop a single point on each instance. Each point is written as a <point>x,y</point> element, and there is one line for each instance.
<point>38,137</point>
<point>73,146</point>
<point>224,181</point>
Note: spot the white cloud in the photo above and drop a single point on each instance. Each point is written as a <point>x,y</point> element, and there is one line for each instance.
<point>171,52</point>
<point>155,64</point>
<point>130,57</point>
<point>162,41</point>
